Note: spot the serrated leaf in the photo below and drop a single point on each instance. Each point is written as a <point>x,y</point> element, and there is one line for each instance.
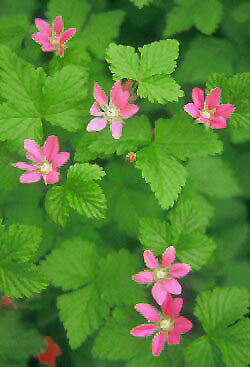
<point>165,175</point>
<point>85,172</point>
<point>124,61</point>
<point>154,234</point>
<point>178,20</point>
<point>159,57</point>
<point>199,353</point>
<point>81,312</point>
<point>72,264</point>
<point>221,307</point>
<point>114,279</point>
<point>141,3</point>
<point>160,88</point>
<point>207,15</point>
<point>57,205</point>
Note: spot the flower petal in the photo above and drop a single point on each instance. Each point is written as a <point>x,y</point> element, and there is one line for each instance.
<point>97,124</point>
<point>198,98</point>
<point>172,286</point>
<point>158,344</point>
<point>168,256</point>
<point>60,159</point>
<point>58,25</point>
<point>129,110</point>
<point>173,338</point>
<point>179,270</point>
<point>116,129</point>
<point>48,47</point>
<point>61,51</point>
<point>225,110</point>
<point>30,177</point>
<point>172,307</point>
<point>144,277</point>
<point>43,27</point>
<point>25,166</point>
<point>52,177</point>
<point>100,95</point>
<point>34,152</point>
<point>192,110</point>
<point>218,122</point>
<point>150,260</point>
<point>182,325</point>
<point>51,147</point>
<point>148,311</point>
<point>95,109</point>
<point>40,38</point>
<point>159,293</point>
<point>213,98</point>
<point>68,35</point>
<point>119,96</point>
<point>143,330</point>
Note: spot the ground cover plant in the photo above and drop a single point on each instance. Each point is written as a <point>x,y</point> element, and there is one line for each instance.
<point>124,139</point>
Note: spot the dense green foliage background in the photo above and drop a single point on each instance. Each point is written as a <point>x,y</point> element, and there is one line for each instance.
<point>68,251</point>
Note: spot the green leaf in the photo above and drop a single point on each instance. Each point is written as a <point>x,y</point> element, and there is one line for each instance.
<point>63,94</point>
<point>241,12</point>
<point>200,353</point>
<point>124,61</point>
<point>221,307</point>
<point>141,3</point>
<point>159,88</point>
<point>81,312</point>
<point>74,13</point>
<point>13,29</point>
<point>101,30</point>
<point>159,57</point>
<point>186,140</point>
<point>86,172</point>
<point>178,20</point>
<point>71,265</point>
<point>114,279</point>
<point>154,234</point>
<point>57,205</point>
<point>214,177</point>
<point>165,175</point>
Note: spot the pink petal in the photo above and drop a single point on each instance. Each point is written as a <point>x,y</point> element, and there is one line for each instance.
<point>172,307</point>
<point>198,98</point>
<point>48,47</point>
<point>172,286</point>
<point>179,270</point>
<point>68,35</point>
<point>40,38</point>
<point>213,99</point>
<point>168,256</point>
<point>43,27</point>
<point>60,159</point>
<point>95,109</point>
<point>119,96</point>
<point>129,110</point>
<point>159,293</point>
<point>58,25</point>
<point>173,338</point>
<point>100,95</point>
<point>34,152</point>
<point>51,147</point>
<point>52,177</point>
<point>61,51</point>
<point>97,124</point>
<point>116,129</point>
<point>182,325</point>
<point>150,260</point>
<point>158,344</point>
<point>30,177</point>
<point>204,119</point>
<point>143,330</point>
<point>148,311</point>
<point>192,110</point>
<point>144,277</point>
<point>25,166</point>
<point>218,122</point>
<point>225,110</point>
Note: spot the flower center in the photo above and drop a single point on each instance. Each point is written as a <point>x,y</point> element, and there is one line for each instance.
<point>46,168</point>
<point>206,114</point>
<point>165,324</point>
<point>160,274</point>
<point>55,41</point>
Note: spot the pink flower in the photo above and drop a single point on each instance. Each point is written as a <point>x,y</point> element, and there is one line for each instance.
<point>168,324</point>
<point>163,275</point>
<point>113,112</point>
<point>209,112</point>
<point>47,160</point>
<point>53,38</point>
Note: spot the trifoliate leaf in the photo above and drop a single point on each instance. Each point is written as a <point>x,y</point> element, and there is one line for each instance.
<point>141,3</point>
<point>221,307</point>
<point>81,312</point>
<point>74,13</point>
<point>200,353</point>
<point>115,282</point>
<point>165,174</point>
<point>57,205</point>
<point>214,177</point>
<point>63,93</point>
<point>72,264</point>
